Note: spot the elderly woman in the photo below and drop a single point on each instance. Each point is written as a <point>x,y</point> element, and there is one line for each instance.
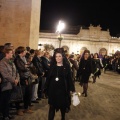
<point>9,78</point>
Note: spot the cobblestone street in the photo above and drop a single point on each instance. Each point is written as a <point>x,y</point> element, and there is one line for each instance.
<point>102,103</point>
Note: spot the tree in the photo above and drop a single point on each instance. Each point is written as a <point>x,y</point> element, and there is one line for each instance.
<point>48,47</point>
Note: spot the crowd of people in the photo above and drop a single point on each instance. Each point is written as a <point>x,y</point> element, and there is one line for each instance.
<point>45,76</point>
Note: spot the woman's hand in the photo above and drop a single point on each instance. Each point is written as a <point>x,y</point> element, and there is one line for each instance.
<point>43,74</point>
<point>71,92</point>
<point>16,82</point>
<point>26,81</point>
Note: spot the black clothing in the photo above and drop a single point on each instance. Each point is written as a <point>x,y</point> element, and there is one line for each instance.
<point>27,56</point>
<point>25,75</point>
<point>85,69</point>
<point>46,64</point>
<point>52,113</point>
<point>105,62</point>
<point>59,91</point>
<point>4,102</point>
<point>22,70</point>
<point>37,63</point>
<point>27,93</point>
<point>39,67</point>
<point>96,67</point>
<point>1,55</point>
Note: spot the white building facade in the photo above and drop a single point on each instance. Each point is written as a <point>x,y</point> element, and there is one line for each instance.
<point>94,39</point>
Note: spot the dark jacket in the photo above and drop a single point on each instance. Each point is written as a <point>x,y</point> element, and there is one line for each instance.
<point>67,77</point>
<point>59,93</point>
<point>46,65</point>
<point>85,67</point>
<point>37,63</point>
<point>23,71</point>
<point>1,55</point>
<point>84,71</point>
<point>96,66</point>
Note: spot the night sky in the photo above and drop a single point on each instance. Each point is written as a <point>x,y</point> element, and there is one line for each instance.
<point>79,12</point>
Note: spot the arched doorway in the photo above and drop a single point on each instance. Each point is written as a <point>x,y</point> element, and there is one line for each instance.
<point>103,51</point>
<point>66,48</point>
<point>82,50</point>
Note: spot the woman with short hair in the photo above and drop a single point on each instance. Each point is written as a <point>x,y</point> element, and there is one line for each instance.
<point>9,78</point>
<point>25,77</point>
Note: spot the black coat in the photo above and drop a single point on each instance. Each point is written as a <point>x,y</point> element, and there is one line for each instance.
<point>23,71</point>
<point>37,63</point>
<point>96,65</point>
<point>59,91</point>
<point>46,65</point>
<point>85,69</point>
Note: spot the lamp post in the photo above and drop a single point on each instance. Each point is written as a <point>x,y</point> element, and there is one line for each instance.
<point>60,27</point>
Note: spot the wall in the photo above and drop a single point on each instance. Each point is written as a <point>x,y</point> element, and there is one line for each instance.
<point>17,22</point>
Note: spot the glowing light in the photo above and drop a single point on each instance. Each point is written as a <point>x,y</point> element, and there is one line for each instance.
<point>60,27</point>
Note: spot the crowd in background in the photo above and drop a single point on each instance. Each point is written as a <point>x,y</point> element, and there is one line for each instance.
<point>29,68</point>
<point>26,66</point>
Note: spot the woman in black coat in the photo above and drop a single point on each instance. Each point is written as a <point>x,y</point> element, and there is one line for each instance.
<point>84,71</point>
<point>59,83</point>
<point>96,65</point>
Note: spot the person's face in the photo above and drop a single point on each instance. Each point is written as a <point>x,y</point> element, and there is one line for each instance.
<point>11,46</point>
<point>9,55</point>
<point>42,53</point>
<point>30,59</point>
<point>59,58</point>
<point>23,53</point>
<point>47,55</point>
<point>95,56</point>
<point>86,55</point>
<point>91,56</point>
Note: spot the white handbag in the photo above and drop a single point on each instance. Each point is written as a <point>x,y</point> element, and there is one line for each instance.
<point>75,99</point>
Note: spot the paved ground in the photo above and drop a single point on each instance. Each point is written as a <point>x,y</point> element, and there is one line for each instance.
<point>102,103</point>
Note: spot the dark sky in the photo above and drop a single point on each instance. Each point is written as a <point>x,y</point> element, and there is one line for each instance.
<point>79,12</point>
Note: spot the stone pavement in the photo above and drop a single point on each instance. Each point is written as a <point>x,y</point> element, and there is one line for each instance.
<point>102,103</point>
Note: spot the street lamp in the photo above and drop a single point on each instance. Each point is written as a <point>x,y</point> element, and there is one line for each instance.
<point>60,27</point>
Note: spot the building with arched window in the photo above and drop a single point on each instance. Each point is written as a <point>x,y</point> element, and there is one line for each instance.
<point>93,38</point>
